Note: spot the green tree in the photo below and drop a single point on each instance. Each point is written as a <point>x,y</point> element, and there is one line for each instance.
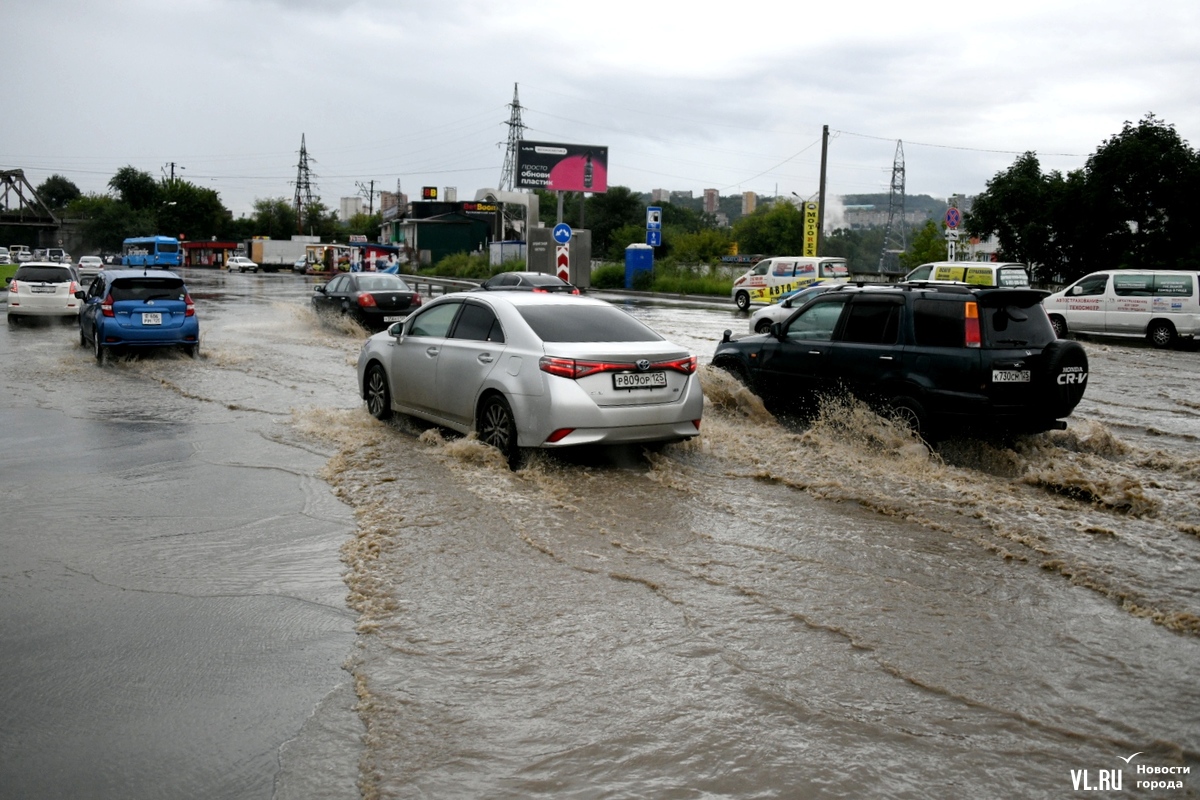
<point>699,247</point>
<point>927,244</point>
<point>613,210</point>
<point>777,230</point>
<point>190,211</point>
<point>1141,193</point>
<point>365,225</point>
<point>109,221</point>
<point>274,217</point>
<point>57,191</point>
<point>621,238</point>
<point>1131,206</point>
<point>860,248</point>
<point>138,190</point>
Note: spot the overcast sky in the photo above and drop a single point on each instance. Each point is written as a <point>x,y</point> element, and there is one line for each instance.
<point>686,95</point>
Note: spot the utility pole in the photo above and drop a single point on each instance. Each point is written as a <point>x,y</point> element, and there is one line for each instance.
<point>370,194</point>
<point>821,196</point>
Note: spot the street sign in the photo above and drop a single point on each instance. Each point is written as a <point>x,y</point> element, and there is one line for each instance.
<point>953,217</point>
<point>654,238</point>
<point>562,233</point>
<point>952,234</point>
<point>562,260</point>
<point>654,218</point>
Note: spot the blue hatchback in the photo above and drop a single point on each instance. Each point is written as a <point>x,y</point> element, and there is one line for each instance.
<point>138,308</point>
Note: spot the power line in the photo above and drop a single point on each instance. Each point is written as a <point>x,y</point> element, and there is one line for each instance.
<point>957,147</point>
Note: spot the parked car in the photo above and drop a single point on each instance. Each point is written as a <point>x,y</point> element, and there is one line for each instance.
<point>138,308</point>
<point>772,278</point>
<point>528,282</point>
<point>241,264</point>
<point>1162,306</point>
<point>975,273</point>
<point>374,299</point>
<point>300,264</point>
<point>89,267</point>
<point>760,320</point>
<point>944,357</point>
<point>43,289</point>
<point>532,369</point>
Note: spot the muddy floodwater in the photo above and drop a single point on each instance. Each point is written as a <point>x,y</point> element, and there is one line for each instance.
<point>771,610</point>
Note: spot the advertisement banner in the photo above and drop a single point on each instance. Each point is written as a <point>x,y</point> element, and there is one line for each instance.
<point>810,229</point>
<point>562,167</point>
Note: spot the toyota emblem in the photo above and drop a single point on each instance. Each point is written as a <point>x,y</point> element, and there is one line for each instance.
<point>643,364</point>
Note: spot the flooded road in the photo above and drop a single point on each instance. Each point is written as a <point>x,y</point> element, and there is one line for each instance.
<point>769,610</point>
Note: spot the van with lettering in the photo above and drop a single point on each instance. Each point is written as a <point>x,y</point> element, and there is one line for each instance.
<point>972,273</point>
<point>1162,306</point>
<point>772,278</point>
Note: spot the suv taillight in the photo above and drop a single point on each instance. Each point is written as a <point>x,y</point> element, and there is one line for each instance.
<point>971,324</point>
<point>106,306</point>
<point>12,287</point>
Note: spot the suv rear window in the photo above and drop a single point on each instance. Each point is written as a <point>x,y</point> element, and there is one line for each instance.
<point>941,323</point>
<point>147,289</point>
<point>585,324</point>
<point>44,274</point>
<point>1015,326</point>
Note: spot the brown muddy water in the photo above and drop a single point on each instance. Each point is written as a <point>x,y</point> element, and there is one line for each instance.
<point>770,610</point>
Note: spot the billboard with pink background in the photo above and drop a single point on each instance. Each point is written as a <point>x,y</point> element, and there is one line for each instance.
<point>562,167</point>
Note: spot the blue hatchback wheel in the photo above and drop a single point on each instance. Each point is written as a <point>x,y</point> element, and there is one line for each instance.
<point>96,346</point>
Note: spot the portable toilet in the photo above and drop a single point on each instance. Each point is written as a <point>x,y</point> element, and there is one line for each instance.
<point>638,258</point>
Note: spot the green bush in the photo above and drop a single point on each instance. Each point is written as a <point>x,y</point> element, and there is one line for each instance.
<point>610,276</point>
<point>692,284</point>
<point>471,265</point>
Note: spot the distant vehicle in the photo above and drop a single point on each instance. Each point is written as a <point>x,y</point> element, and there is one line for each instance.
<point>760,320</point>
<point>300,264</point>
<point>20,253</point>
<point>8,268</point>
<point>527,369</point>
<point>241,264</point>
<point>43,289</point>
<point>57,254</point>
<point>136,308</point>
<point>374,299</point>
<point>772,278</point>
<point>972,273</point>
<point>150,251</point>
<point>1162,306</point>
<point>527,282</point>
<point>89,267</point>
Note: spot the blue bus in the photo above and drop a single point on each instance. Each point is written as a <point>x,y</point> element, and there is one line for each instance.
<point>150,251</point>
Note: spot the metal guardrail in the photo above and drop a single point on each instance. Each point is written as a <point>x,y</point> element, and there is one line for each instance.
<point>432,286</point>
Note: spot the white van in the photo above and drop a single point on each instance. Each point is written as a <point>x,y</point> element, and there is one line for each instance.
<point>975,273</point>
<point>1161,305</point>
<point>772,278</point>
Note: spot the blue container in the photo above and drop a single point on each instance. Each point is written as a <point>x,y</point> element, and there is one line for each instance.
<point>638,258</point>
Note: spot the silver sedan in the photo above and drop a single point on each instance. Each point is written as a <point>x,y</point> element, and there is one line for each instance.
<point>533,370</point>
<point>760,320</point>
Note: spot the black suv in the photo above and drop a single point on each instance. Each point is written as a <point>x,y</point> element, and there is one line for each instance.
<point>945,357</point>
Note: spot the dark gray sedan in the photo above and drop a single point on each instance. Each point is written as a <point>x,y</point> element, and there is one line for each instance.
<point>374,299</point>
